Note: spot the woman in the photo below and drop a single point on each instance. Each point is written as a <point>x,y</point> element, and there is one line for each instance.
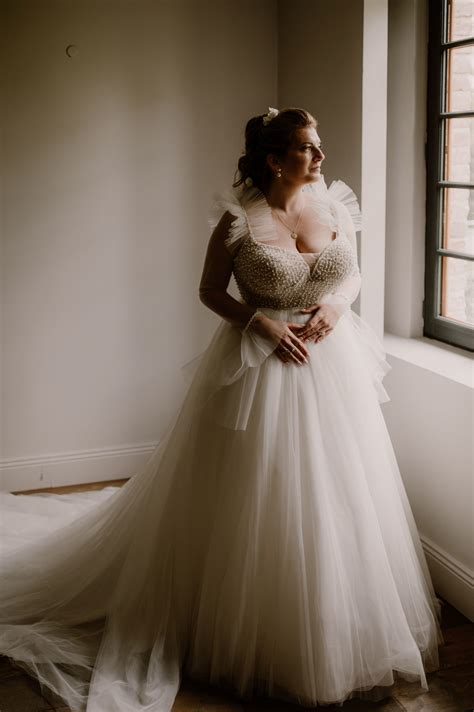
<point>268,544</point>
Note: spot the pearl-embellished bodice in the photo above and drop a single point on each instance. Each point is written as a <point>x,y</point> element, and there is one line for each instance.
<point>268,275</point>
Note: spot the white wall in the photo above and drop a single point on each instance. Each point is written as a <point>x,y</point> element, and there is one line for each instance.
<point>110,159</point>
<point>431,420</point>
<point>320,68</point>
<point>406,175</point>
<point>374,162</point>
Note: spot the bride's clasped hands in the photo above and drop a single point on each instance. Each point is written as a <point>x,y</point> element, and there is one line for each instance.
<point>321,324</point>
<point>290,336</point>
<point>289,346</point>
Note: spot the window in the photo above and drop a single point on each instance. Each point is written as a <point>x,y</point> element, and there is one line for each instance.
<point>449,278</point>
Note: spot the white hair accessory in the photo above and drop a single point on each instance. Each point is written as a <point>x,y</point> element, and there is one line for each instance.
<point>271,115</point>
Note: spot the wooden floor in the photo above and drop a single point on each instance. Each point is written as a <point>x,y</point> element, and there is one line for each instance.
<point>451,687</point>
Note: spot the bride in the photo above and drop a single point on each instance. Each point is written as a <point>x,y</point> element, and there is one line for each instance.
<point>267,545</point>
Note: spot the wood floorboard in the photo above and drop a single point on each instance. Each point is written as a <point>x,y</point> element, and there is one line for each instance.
<point>451,687</point>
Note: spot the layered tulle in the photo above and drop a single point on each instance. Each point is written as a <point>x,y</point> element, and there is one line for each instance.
<point>267,545</point>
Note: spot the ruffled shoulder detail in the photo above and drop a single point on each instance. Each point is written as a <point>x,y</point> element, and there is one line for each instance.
<point>259,215</point>
<point>230,201</point>
<point>341,193</point>
<point>320,201</point>
<point>252,216</point>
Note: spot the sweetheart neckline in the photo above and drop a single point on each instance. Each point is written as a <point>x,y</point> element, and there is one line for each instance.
<point>297,252</point>
<point>265,207</point>
<point>310,267</point>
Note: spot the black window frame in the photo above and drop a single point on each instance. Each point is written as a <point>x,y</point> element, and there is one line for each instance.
<point>434,325</point>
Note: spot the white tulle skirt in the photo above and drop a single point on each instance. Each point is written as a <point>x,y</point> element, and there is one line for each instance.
<point>267,545</point>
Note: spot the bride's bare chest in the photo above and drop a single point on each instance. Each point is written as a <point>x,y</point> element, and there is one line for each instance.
<point>313,237</point>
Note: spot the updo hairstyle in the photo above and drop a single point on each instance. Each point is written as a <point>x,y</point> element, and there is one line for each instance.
<point>260,140</point>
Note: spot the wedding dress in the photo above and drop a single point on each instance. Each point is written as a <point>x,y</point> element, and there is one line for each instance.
<point>267,545</point>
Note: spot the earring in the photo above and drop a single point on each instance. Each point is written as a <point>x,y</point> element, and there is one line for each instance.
<point>278,173</point>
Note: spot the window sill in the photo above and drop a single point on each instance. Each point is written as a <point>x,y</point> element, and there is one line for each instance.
<point>448,361</point>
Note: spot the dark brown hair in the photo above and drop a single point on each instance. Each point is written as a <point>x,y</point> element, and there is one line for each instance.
<point>276,138</point>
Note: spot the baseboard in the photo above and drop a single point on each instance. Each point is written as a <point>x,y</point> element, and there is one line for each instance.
<point>73,468</point>
<point>452,580</point>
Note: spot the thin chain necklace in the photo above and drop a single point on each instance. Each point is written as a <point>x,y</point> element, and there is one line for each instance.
<point>293,231</point>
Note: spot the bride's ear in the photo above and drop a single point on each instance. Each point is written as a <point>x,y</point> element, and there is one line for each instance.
<point>273,162</point>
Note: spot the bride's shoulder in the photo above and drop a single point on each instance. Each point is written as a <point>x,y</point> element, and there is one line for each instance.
<point>241,212</point>
<point>227,213</point>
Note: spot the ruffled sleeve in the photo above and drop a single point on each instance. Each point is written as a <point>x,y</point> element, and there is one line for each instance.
<point>230,201</point>
<point>349,220</point>
<point>340,193</point>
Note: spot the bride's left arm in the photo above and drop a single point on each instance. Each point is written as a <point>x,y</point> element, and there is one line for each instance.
<point>347,292</point>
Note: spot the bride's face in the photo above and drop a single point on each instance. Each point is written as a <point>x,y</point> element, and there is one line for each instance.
<point>302,163</point>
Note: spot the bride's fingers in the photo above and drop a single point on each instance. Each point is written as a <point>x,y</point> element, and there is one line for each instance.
<point>297,328</point>
<point>291,351</point>
<point>290,354</point>
<point>313,334</point>
<point>307,332</point>
<point>309,309</point>
<point>311,327</point>
<point>299,343</point>
<point>313,330</point>
<point>322,334</point>
<point>282,355</point>
<point>298,350</point>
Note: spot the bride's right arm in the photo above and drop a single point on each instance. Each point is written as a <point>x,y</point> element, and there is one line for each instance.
<point>216,275</point>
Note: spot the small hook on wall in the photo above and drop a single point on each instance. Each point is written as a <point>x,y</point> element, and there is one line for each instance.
<point>72,50</point>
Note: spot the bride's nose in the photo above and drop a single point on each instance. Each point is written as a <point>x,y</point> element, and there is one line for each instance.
<point>317,154</point>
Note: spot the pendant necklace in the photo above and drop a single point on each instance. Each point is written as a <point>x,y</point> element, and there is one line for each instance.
<point>293,232</point>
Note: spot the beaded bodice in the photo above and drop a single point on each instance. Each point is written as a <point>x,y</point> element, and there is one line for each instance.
<point>271,276</point>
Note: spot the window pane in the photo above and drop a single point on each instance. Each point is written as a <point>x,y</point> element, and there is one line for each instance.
<point>459,150</point>
<point>457,290</point>
<point>458,220</point>
<point>460,19</point>
<point>460,79</point>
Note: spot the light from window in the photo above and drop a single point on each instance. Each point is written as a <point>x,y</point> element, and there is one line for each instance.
<point>460,20</point>
<point>457,275</point>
